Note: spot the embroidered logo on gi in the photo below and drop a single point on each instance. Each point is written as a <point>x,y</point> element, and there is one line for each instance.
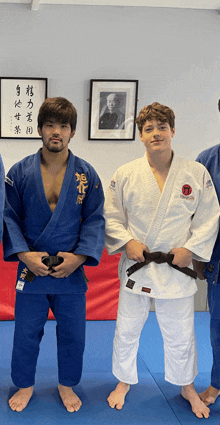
<point>20,285</point>
<point>130,283</point>
<point>23,273</point>
<point>112,185</point>
<point>208,184</point>
<point>186,189</point>
<point>9,181</point>
<point>82,179</point>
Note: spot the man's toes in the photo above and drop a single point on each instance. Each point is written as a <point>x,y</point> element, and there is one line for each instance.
<point>198,414</point>
<point>70,408</point>
<point>20,407</point>
<point>12,406</point>
<point>119,406</point>
<point>77,406</point>
<point>206,412</point>
<point>202,412</point>
<point>111,402</point>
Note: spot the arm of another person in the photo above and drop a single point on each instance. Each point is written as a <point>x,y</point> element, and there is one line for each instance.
<point>2,195</point>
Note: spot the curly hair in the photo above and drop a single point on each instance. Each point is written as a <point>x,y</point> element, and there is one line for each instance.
<point>155,111</point>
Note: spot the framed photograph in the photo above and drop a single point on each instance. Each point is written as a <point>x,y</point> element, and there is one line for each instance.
<point>112,112</point>
<point>20,100</point>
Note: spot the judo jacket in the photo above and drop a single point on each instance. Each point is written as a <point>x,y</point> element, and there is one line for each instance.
<point>2,195</point>
<point>210,158</point>
<point>185,214</point>
<point>76,225</point>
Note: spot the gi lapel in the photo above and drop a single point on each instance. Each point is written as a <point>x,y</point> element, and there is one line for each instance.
<point>163,202</point>
<point>54,216</point>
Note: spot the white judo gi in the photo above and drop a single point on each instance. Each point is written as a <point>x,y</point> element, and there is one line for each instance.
<point>185,214</point>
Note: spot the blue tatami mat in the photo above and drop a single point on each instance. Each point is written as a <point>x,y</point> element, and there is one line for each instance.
<point>151,402</point>
<point>145,403</point>
<point>181,407</point>
<point>151,352</point>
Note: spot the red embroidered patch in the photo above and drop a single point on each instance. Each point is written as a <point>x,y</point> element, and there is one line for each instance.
<point>186,189</point>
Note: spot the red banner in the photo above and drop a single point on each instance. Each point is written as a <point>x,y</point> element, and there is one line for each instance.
<point>102,294</point>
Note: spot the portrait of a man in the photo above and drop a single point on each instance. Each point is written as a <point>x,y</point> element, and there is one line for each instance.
<point>112,111</point>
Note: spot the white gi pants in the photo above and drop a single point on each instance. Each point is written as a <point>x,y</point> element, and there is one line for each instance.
<point>176,321</point>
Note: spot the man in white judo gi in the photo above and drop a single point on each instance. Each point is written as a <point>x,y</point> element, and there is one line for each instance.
<point>159,203</point>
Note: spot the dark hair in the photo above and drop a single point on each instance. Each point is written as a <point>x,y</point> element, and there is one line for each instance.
<point>155,111</point>
<point>59,108</point>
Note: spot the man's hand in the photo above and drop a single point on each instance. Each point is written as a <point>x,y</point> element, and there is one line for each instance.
<point>33,261</point>
<point>134,251</point>
<point>182,257</point>
<point>70,264</point>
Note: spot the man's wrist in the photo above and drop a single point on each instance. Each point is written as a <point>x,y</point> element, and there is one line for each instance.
<point>21,255</point>
<point>82,258</point>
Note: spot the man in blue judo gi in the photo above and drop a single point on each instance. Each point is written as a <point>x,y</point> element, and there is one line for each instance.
<point>210,158</point>
<point>53,215</point>
<point>2,195</point>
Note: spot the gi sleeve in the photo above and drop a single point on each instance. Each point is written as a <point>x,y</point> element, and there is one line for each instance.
<point>92,229</point>
<point>13,240</point>
<point>2,195</point>
<point>205,222</point>
<point>211,161</point>
<point>117,234</point>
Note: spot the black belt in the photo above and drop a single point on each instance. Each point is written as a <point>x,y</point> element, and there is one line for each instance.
<point>159,258</point>
<point>50,261</point>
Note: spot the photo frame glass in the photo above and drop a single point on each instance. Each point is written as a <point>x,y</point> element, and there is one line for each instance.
<point>113,106</point>
<point>20,100</point>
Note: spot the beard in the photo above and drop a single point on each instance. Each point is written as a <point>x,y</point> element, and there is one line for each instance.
<point>53,148</point>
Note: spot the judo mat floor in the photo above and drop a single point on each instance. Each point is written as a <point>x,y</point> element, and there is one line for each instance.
<point>153,401</point>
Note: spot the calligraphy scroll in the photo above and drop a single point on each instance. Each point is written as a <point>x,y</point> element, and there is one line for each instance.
<point>20,100</point>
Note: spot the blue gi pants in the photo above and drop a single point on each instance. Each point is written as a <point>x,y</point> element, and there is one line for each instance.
<point>214,307</point>
<point>31,311</point>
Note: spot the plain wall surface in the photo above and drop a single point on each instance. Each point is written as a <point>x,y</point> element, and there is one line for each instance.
<point>174,53</point>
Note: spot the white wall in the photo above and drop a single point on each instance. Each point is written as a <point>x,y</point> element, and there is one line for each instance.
<point>174,53</point>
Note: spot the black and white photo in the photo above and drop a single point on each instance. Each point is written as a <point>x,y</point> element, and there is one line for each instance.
<point>112,109</point>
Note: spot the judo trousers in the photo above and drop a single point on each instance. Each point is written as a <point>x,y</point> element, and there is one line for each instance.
<point>176,321</point>
<point>31,311</point>
<point>214,308</point>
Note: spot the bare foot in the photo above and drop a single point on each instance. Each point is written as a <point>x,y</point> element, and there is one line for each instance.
<point>70,400</point>
<point>117,397</point>
<point>209,395</point>
<point>198,407</point>
<point>20,399</point>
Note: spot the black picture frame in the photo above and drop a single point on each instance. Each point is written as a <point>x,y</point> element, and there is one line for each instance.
<point>20,100</point>
<point>112,109</point>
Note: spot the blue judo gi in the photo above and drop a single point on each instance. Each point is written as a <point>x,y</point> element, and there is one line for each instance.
<point>210,158</point>
<point>76,225</point>
<point>2,195</point>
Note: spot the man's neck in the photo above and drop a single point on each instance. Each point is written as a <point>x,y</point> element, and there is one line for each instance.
<point>160,162</point>
<point>50,159</point>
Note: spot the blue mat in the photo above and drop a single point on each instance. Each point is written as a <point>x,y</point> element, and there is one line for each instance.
<point>152,401</point>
